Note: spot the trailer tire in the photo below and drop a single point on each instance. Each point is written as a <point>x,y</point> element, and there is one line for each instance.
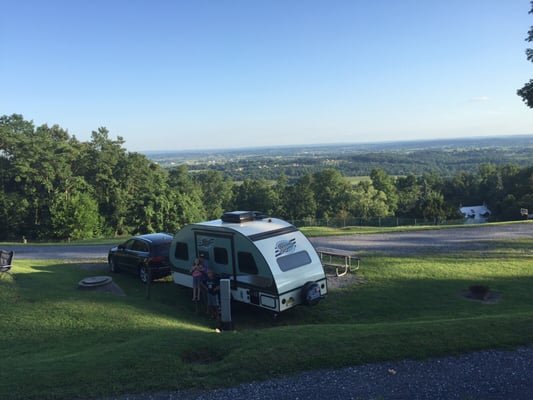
<point>311,294</point>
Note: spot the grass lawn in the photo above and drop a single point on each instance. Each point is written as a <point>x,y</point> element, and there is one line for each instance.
<point>311,231</point>
<point>59,342</point>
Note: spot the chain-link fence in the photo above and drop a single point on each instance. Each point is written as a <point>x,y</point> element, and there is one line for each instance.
<point>379,222</point>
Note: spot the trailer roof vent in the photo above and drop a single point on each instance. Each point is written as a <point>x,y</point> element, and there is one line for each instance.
<point>238,216</point>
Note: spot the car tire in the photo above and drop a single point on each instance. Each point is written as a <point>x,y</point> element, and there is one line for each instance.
<point>143,274</point>
<point>112,265</point>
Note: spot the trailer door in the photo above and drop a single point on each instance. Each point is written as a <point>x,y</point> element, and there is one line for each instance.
<point>218,251</point>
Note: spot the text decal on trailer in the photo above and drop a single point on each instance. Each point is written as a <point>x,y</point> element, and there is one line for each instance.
<point>285,247</point>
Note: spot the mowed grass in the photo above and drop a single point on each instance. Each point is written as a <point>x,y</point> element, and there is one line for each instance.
<point>59,342</point>
<point>313,231</point>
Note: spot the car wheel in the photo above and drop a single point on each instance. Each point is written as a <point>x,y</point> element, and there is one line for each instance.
<point>112,265</point>
<point>143,274</point>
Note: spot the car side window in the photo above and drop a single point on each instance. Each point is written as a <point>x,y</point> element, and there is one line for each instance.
<point>140,246</point>
<point>129,244</point>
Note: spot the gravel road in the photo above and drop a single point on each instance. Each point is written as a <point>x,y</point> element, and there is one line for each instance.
<point>59,252</point>
<point>443,240</point>
<point>486,375</point>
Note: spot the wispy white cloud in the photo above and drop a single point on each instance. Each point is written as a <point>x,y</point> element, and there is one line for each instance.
<point>479,99</point>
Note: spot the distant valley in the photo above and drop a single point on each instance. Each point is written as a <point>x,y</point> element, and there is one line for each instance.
<point>444,157</point>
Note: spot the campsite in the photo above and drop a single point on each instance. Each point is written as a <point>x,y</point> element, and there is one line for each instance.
<point>412,305</point>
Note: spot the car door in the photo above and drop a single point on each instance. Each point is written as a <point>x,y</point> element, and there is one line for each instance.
<point>123,254</point>
<point>138,253</point>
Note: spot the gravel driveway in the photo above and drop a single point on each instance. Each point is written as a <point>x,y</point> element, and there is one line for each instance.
<point>60,252</point>
<point>486,375</point>
<point>441,240</point>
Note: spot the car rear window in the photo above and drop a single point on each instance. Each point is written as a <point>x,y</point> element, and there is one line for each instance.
<point>162,249</point>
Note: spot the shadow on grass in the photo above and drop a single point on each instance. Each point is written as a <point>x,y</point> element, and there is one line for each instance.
<point>382,298</point>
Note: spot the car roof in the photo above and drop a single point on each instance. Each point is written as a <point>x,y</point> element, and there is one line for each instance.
<point>155,238</point>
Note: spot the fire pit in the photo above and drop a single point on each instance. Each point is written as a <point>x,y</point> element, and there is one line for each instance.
<point>479,292</point>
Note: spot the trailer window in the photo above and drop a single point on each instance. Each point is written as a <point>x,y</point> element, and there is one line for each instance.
<point>294,260</point>
<point>182,251</point>
<point>247,263</point>
<point>221,255</point>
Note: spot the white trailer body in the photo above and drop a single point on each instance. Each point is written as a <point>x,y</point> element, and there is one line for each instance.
<point>270,263</point>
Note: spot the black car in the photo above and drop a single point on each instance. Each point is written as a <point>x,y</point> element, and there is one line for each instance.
<point>140,253</point>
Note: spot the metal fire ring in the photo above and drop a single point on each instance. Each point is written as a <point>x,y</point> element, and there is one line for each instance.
<point>95,281</point>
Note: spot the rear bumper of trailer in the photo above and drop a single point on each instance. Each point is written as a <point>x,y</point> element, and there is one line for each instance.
<point>257,296</point>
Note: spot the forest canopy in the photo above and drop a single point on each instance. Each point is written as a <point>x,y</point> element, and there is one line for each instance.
<point>53,186</point>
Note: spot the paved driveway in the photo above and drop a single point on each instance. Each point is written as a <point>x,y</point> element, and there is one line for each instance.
<point>63,252</point>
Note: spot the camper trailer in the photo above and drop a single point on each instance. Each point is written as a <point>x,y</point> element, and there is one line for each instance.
<point>269,262</point>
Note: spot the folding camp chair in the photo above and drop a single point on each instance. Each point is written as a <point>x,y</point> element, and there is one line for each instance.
<point>6,257</point>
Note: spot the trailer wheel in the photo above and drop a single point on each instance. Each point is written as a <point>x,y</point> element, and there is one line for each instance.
<point>311,294</point>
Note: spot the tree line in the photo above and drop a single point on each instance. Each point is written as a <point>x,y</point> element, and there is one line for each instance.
<point>53,186</point>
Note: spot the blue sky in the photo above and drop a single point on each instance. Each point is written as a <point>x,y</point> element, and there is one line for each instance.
<point>171,75</point>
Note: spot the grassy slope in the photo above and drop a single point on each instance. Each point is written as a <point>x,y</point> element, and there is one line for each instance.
<point>59,342</point>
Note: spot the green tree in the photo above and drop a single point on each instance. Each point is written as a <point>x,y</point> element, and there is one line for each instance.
<point>463,189</point>
<point>509,208</point>
<point>384,183</point>
<point>526,92</point>
<point>14,204</point>
<point>370,202</point>
<point>188,209</point>
<point>255,195</point>
<point>491,184</point>
<point>104,166</point>
<point>37,166</point>
<point>432,206</point>
<point>147,191</point>
<point>408,189</point>
<point>187,197</point>
<point>74,213</point>
<point>333,193</point>
<point>300,199</point>
<point>217,194</point>
<point>280,196</point>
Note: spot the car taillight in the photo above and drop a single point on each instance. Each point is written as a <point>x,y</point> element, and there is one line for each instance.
<point>158,259</point>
